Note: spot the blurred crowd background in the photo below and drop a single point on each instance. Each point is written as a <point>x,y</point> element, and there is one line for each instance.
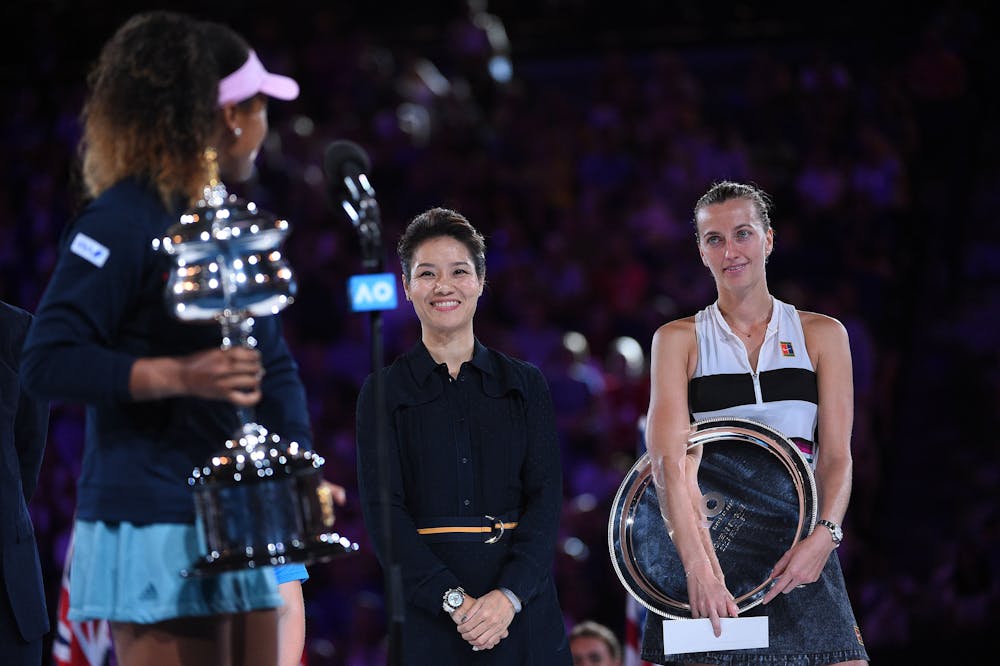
<point>577,136</point>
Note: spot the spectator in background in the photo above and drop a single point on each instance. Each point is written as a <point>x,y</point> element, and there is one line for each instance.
<point>594,644</point>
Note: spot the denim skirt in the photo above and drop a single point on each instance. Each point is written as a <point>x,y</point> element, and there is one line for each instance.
<point>810,626</point>
<point>127,573</point>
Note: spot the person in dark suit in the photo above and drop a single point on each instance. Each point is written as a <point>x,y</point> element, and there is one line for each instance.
<point>476,483</point>
<point>24,619</point>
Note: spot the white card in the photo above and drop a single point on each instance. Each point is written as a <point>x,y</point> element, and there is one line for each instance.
<point>738,633</point>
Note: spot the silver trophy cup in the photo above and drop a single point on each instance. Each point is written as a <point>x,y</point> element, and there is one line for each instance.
<point>260,500</point>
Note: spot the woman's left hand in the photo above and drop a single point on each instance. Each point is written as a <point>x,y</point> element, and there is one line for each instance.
<point>801,565</point>
<point>338,493</point>
<point>330,494</point>
<point>486,623</point>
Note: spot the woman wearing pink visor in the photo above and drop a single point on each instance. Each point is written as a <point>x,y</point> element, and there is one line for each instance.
<point>243,100</point>
<point>159,392</point>
<point>243,104</point>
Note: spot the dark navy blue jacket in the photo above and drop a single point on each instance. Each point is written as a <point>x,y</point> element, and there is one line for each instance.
<point>22,443</point>
<point>104,308</point>
<point>484,444</point>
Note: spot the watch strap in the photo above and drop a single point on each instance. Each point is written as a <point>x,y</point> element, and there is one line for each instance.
<point>836,533</point>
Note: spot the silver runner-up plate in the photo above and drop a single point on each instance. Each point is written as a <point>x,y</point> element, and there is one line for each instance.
<point>758,499</point>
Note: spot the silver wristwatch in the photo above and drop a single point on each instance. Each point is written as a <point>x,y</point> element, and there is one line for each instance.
<point>836,533</point>
<point>453,600</point>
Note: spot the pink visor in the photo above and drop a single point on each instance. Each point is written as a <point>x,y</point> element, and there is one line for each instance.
<point>251,79</point>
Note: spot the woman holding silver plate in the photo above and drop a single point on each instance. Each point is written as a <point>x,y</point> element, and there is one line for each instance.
<point>751,356</point>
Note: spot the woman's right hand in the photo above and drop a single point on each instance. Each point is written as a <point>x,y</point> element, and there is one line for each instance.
<point>708,595</point>
<point>484,624</point>
<point>233,375</point>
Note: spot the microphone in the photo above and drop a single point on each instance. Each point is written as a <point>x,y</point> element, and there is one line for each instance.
<point>346,165</point>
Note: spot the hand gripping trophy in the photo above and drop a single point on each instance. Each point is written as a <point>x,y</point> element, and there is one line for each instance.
<point>260,500</point>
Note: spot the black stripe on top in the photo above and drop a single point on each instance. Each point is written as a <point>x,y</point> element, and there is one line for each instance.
<point>789,384</point>
<point>714,392</point>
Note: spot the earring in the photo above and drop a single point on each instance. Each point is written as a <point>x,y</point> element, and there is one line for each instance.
<point>237,131</point>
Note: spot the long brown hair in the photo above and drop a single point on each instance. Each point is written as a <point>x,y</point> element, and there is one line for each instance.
<point>151,107</point>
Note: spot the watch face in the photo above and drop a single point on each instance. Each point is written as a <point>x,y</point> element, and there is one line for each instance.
<point>455,599</point>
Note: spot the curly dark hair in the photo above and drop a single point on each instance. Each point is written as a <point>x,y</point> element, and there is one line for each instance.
<point>151,107</point>
<point>435,223</point>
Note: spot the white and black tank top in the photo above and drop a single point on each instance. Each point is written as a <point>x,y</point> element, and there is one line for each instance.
<point>782,393</point>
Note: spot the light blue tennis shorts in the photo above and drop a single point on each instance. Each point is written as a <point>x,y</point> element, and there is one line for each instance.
<point>127,573</point>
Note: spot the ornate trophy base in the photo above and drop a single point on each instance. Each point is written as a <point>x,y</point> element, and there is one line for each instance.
<point>262,503</point>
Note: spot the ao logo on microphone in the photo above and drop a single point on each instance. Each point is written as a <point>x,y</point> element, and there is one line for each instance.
<point>372,291</point>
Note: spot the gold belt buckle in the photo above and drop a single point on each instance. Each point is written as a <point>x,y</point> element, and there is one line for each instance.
<point>494,524</point>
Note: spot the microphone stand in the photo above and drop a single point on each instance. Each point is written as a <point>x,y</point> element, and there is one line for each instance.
<point>365,216</point>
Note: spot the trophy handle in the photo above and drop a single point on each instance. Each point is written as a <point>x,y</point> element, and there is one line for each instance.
<point>241,324</point>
